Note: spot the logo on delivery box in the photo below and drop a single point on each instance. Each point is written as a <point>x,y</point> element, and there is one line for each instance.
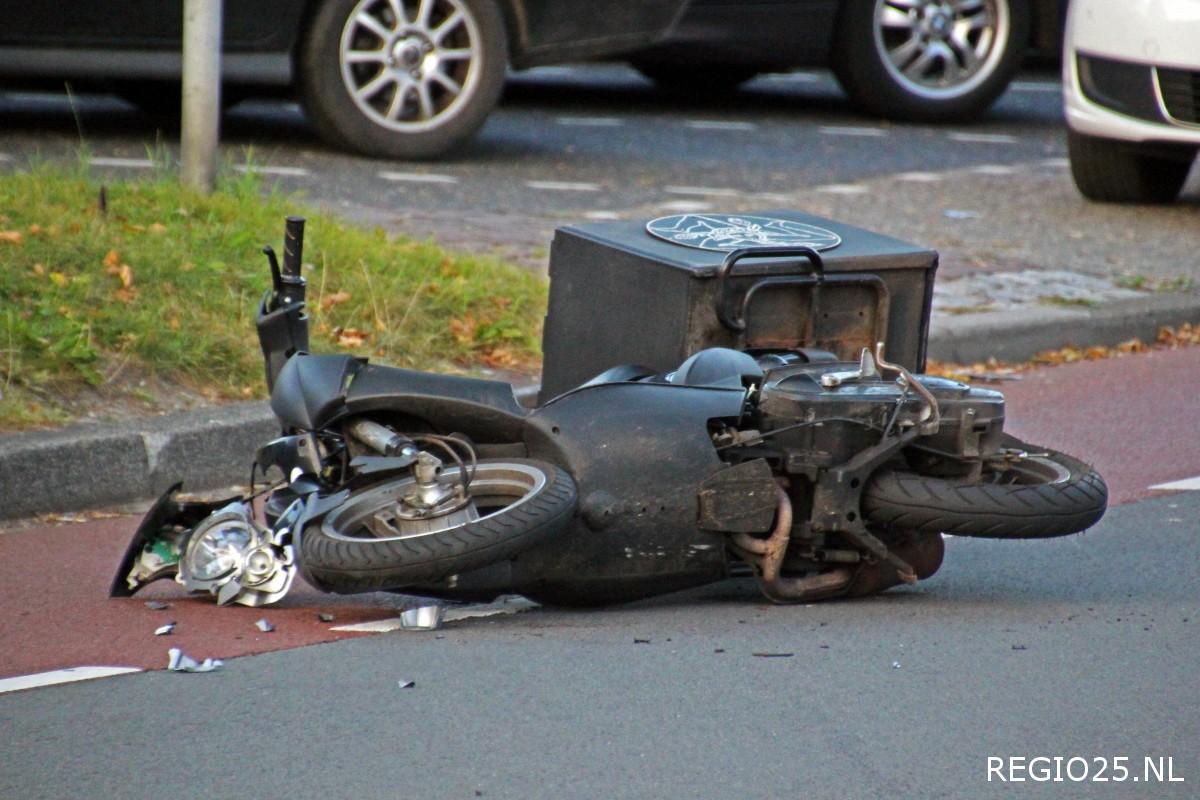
<point>734,231</point>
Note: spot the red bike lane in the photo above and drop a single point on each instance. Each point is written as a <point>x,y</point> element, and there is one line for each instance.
<point>1134,417</point>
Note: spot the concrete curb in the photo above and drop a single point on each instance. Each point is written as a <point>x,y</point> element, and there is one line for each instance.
<point>92,466</point>
<point>1019,334</point>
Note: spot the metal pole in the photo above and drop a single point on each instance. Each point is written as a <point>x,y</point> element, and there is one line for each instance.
<point>201,92</point>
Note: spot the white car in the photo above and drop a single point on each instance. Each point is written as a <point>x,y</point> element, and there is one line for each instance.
<point>1131,92</point>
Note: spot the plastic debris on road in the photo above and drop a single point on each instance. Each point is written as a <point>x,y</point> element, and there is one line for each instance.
<point>959,213</point>
<point>165,630</point>
<point>895,665</point>
<point>178,661</point>
<point>264,625</point>
<point>773,655</point>
<point>405,684</point>
<point>325,617</point>
<point>157,605</point>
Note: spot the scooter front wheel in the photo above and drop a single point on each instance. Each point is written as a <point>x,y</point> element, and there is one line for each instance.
<point>363,546</point>
<point>1044,494</point>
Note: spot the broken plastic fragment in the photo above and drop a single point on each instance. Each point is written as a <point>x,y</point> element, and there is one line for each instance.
<point>406,684</point>
<point>958,213</point>
<point>157,605</point>
<point>1019,647</point>
<point>325,617</point>
<point>641,641</point>
<point>165,630</point>
<point>177,661</point>
<point>264,625</point>
<point>773,655</point>
<point>895,665</point>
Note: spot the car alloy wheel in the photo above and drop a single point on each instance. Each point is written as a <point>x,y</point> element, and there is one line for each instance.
<point>410,66</point>
<point>941,49</point>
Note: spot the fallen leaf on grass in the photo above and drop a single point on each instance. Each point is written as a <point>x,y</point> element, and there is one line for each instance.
<point>59,279</point>
<point>463,330</point>
<point>350,337</point>
<point>112,259</point>
<point>11,237</point>
<point>331,300</point>
<point>157,228</point>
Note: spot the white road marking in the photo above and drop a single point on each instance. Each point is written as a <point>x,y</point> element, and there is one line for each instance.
<point>552,71</point>
<point>376,626</point>
<point>131,163</point>
<point>602,215</point>
<point>981,138</point>
<point>590,122</point>
<point>1030,86</point>
<point>563,186</point>
<point>1186,485</point>
<point>919,177</point>
<point>685,206</point>
<point>719,125</point>
<point>774,197</point>
<point>449,614</point>
<point>263,169</point>
<point>843,188</point>
<point>702,191</point>
<point>993,169</point>
<point>792,77</point>
<point>417,177</point>
<point>61,676</point>
<point>852,130</point>
<point>1056,163</point>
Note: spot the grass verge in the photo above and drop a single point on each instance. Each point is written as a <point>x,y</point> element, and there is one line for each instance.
<point>156,286</point>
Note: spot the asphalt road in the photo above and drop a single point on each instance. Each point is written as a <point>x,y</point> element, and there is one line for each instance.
<point>571,143</point>
<point>1084,646</point>
<point>1075,647</point>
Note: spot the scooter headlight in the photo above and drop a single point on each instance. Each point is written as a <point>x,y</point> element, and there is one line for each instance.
<point>234,558</point>
<point>219,550</point>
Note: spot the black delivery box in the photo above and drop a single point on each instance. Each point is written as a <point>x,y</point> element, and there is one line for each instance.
<point>653,293</point>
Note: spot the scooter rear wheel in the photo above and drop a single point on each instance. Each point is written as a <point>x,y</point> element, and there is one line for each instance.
<point>1043,495</point>
<point>516,503</point>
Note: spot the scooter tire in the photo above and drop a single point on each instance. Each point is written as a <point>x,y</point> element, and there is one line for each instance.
<point>1051,494</point>
<point>337,554</point>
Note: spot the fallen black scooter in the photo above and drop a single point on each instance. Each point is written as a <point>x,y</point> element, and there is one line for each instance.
<point>822,477</point>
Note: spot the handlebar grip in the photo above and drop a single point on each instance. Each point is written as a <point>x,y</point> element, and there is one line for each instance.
<point>293,246</point>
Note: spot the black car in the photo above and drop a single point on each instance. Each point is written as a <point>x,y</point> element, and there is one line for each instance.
<point>903,59</point>
<point>395,78</point>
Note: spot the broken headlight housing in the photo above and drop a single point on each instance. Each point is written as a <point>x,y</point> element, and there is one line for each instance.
<point>238,560</point>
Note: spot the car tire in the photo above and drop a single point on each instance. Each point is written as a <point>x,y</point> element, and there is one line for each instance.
<point>357,93</point>
<point>695,79</point>
<point>922,62</point>
<point>1110,171</point>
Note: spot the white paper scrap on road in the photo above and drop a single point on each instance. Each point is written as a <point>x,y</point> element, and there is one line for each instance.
<point>505,605</point>
<point>69,675</point>
<point>1185,485</point>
